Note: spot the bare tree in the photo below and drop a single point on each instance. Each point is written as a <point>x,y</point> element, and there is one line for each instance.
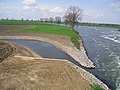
<point>73,15</point>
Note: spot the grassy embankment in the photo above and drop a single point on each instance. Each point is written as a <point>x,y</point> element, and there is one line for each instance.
<point>47,28</point>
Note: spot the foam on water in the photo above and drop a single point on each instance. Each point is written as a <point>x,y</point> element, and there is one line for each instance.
<point>118,79</point>
<point>103,48</point>
<point>115,38</point>
<point>116,62</point>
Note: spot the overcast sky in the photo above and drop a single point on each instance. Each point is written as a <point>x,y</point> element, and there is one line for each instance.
<point>98,11</point>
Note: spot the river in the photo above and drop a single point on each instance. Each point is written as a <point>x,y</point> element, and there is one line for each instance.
<point>103,48</point>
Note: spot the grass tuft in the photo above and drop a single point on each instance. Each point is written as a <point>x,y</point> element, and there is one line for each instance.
<point>95,87</point>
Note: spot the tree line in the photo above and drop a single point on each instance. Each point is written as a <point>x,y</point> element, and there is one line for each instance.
<point>42,20</point>
<point>72,16</point>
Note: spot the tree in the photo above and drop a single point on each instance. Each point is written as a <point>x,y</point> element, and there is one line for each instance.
<point>7,19</point>
<point>58,20</point>
<point>51,20</point>
<point>46,20</point>
<point>27,19</point>
<point>65,20</point>
<point>22,19</point>
<point>41,20</point>
<point>73,15</point>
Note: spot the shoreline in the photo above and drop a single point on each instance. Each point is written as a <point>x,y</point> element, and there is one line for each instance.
<point>86,75</point>
<point>79,55</point>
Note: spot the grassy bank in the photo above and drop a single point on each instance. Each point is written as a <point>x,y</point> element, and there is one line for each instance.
<point>47,28</point>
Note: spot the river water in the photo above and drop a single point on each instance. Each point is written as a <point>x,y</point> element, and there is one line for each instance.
<point>103,48</point>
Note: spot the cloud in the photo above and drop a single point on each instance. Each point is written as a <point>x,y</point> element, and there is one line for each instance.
<point>29,3</point>
<point>98,15</point>
<point>116,6</point>
<point>56,10</point>
<point>52,10</point>
<point>30,9</point>
<point>93,15</point>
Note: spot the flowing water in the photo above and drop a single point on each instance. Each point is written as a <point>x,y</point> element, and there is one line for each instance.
<point>103,48</point>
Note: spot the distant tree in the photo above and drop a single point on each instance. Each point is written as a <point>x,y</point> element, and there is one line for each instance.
<point>46,20</point>
<point>73,15</point>
<point>27,19</point>
<point>2,19</point>
<point>51,20</point>
<point>58,20</point>
<point>65,20</point>
<point>22,19</point>
<point>41,20</point>
<point>7,19</point>
<point>12,19</point>
<point>32,20</point>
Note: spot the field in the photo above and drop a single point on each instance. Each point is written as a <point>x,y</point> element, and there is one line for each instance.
<point>46,28</point>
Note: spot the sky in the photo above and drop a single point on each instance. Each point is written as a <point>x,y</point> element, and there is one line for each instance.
<point>94,11</point>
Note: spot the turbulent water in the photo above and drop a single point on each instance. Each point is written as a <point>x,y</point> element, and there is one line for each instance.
<point>103,48</point>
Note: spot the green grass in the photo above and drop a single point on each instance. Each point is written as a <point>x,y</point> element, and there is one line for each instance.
<point>47,28</point>
<point>18,23</point>
<point>95,87</point>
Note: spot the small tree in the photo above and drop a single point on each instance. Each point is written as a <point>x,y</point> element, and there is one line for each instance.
<point>58,20</point>
<point>41,20</point>
<point>51,20</point>
<point>65,20</point>
<point>22,19</point>
<point>7,19</point>
<point>27,19</point>
<point>73,15</point>
<point>46,20</point>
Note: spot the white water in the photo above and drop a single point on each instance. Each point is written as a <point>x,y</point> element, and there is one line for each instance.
<point>103,48</point>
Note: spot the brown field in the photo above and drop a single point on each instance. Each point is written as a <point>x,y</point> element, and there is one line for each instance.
<point>22,71</point>
<point>5,30</point>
